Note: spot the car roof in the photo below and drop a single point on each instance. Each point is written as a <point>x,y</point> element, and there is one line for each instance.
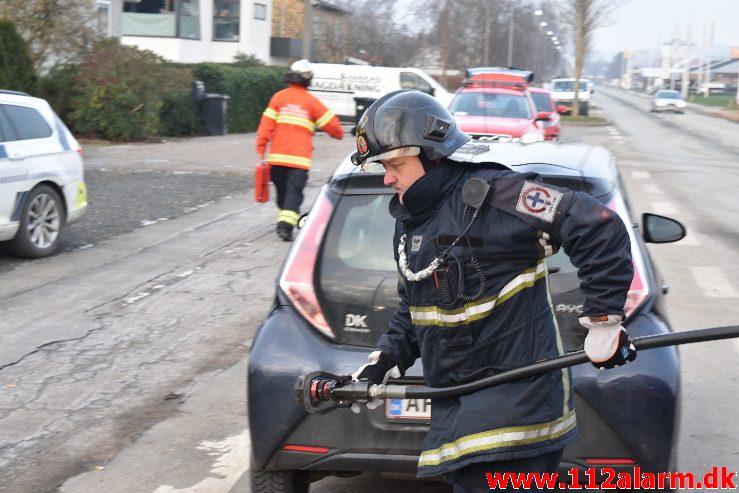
<point>560,159</point>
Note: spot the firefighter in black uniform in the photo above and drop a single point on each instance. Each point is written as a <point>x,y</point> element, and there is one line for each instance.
<point>470,243</point>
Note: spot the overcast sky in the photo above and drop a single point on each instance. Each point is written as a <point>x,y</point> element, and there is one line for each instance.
<point>643,24</point>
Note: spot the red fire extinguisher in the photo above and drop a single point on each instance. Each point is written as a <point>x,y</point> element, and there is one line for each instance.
<point>261,182</point>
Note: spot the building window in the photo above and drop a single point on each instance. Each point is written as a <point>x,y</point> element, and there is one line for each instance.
<point>150,18</point>
<point>189,23</point>
<point>162,18</point>
<point>226,15</point>
<point>103,16</point>
<point>260,11</point>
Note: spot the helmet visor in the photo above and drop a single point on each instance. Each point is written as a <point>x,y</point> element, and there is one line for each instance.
<point>374,163</point>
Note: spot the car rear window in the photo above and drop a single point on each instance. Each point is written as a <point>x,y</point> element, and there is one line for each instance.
<point>28,123</point>
<point>490,104</point>
<point>357,277</point>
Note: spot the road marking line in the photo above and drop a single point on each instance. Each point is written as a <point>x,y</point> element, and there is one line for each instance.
<point>617,137</point>
<point>663,208</point>
<point>653,189</point>
<point>713,282</point>
<point>641,174</point>
<point>231,462</point>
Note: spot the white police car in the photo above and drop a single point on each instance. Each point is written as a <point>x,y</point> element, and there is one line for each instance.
<point>42,187</point>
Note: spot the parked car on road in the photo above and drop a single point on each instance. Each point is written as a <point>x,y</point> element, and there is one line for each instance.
<point>668,100</point>
<point>544,103</point>
<point>42,186</point>
<point>337,291</point>
<point>493,106</point>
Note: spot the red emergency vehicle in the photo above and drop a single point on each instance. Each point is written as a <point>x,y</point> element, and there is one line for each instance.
<point>497,106</point>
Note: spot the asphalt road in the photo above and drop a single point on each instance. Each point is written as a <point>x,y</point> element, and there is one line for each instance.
<point>122,364</point>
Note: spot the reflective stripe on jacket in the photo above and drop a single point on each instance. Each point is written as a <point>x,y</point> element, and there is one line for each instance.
<point>511,323</point>
<point>288,124</point>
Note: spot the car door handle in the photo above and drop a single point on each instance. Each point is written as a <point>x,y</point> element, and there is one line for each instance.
<point>15,156</point>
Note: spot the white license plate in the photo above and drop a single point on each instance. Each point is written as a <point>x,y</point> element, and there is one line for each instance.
<point>408,408</point>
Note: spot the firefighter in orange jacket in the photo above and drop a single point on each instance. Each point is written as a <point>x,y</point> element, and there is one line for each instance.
<point>291,117</point>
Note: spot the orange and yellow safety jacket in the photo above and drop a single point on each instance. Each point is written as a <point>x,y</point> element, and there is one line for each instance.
<point>291,117</point>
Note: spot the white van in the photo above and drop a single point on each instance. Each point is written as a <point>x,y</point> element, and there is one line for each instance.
<point>346,89</point>
<point>563,93</point>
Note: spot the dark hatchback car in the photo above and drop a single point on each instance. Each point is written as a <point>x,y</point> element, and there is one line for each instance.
<point>337,291</point>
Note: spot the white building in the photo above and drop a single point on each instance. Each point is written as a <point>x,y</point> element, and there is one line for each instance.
<point>191,31</point>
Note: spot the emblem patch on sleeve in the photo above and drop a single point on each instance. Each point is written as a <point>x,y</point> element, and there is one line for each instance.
<point>416,243</point>
<point>538,200</point>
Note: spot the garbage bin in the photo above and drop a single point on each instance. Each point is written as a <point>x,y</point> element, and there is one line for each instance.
<point>215,114</point>
<point>361,105</point>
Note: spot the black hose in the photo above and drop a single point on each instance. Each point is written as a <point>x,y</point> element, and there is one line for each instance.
<point>572,359</point>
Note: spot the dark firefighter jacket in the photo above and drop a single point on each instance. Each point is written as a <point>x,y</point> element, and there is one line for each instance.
<point>511,323</point>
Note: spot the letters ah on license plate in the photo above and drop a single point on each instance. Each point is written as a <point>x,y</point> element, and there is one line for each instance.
<point>408,408</point>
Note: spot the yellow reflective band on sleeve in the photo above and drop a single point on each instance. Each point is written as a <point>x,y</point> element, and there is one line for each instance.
<point>479,309</point>
<point>324,119</point>
<point>497,439</point>
<point>288,216</point>
<point>300,161</point>
<point>296,120</point>
<point>270,113</point>
<point>81,199</point>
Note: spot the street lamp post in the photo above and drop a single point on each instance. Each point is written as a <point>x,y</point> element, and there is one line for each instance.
<point>510,36</point>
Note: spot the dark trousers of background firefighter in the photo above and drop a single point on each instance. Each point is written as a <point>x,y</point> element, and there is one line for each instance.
<point>473,479</point>
<point>289,183</point>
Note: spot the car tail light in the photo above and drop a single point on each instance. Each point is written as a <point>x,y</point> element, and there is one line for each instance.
<point>79,150</point>
<point>606,462</point>
<point>297,280</point>
<point>639,290</point>
<point>306,448</point>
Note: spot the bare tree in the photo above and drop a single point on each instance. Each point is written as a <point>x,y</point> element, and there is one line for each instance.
<point>386,32</point>
<point>55,30</point>
<point>586,16</point>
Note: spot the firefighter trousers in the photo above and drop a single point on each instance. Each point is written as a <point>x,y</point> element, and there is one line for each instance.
<point>289,183</point>
<point>473,478</point>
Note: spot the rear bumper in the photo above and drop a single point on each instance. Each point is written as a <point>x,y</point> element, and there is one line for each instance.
<point>641,430</point>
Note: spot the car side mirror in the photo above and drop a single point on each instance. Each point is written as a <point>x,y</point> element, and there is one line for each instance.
<point>543,116</point>
<point>660,229</point>
<point>432,91</point>
<point>561,109</point>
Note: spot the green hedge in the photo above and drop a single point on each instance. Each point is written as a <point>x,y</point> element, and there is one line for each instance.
<point>122,93</point>
<point>249,88</point>
<point>16,67</point>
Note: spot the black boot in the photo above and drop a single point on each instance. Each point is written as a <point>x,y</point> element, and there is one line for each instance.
<point>285,233</point>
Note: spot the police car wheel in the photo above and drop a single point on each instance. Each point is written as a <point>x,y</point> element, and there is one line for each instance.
<point>42,218</point>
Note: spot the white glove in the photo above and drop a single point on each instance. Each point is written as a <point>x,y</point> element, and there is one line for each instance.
<point>607,344</point>
<point>377,370</point>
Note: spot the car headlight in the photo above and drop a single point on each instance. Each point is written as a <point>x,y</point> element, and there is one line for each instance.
<point>531,137</point>
<point>660,103</point>
<point>681,104</point>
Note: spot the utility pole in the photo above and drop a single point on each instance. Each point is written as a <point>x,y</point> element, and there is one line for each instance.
<point>307,28</point>
<point>445,43</point>
<point>488,20</point>
<point>510,35</point>
<point>686,62</point>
